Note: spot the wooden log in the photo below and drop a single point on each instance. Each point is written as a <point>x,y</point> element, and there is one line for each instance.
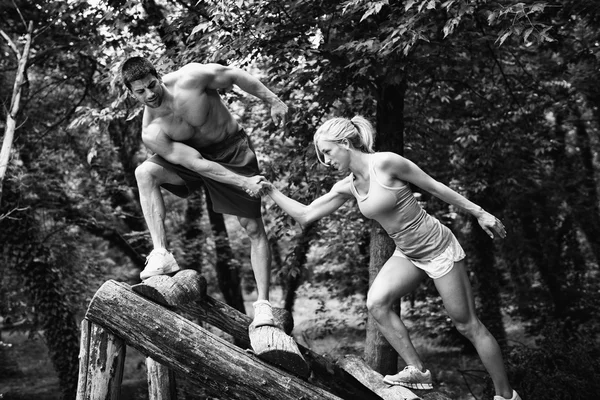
<point>183,346</point>
<point>324,371</point>
<point>172,291</point>
<point>358,368</point>
<point>101,362</point>
<point>161,381</point>
<point>276,347</point>
<point>187,286</point>
<point>374,380</point>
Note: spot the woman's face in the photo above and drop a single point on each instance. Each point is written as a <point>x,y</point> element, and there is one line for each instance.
<point>335,154</point>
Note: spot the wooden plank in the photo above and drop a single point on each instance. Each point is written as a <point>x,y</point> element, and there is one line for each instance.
<point>201,356</point>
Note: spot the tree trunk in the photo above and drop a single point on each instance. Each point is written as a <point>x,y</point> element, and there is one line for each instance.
<point>9,132</point>
<point>390,137</point>
<point>192,232</point>
<point>297,264</point>
<point>378,352</point>
<point>482,263</point>
<point>228,272</point>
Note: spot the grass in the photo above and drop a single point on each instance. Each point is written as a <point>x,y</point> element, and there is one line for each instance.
<point>323,324</point>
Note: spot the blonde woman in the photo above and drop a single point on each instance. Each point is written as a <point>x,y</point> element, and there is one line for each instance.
<point>379,181</point>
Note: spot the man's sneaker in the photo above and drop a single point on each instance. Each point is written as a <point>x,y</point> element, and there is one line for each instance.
<point>515,396</point>
<point>263,314</point>
<point>410,377</point>
<point>159,262</point>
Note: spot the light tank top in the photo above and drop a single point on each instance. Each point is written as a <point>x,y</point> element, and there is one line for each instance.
<point>417,234</point>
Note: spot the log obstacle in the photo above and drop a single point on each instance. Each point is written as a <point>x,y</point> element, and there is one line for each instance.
<point>150,318</point>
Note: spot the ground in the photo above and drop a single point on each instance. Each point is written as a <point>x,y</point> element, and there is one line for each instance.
<point>322,324</point>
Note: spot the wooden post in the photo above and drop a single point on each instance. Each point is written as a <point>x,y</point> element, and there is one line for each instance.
<point>325,373</point>
<point>161,381</point>
<point>201,356</point>
<point>101,361</point>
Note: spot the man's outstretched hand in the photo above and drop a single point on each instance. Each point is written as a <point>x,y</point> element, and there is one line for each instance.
<point>258,186</point>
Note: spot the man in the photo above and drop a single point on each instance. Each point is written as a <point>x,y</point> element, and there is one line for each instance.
<point>197,141</point>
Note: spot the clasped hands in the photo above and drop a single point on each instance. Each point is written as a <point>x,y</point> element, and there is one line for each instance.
<point>258,186</point>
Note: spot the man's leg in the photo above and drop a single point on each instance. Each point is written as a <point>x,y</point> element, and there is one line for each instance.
<point>149,177</point>
<point>260,259</point>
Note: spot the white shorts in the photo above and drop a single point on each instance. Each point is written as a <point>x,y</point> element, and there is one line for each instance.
<point>440,265</point>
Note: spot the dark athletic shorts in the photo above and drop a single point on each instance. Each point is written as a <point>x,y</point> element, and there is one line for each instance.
<point>235,153</point>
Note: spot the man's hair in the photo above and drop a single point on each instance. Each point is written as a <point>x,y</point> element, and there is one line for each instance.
<point>135,68</point>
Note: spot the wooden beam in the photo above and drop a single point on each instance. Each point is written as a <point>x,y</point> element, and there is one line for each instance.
<point>358,368</point>
<point>325,373</point>
<point>101,361</point>
<point>161,381</point>
<point>204,358</point>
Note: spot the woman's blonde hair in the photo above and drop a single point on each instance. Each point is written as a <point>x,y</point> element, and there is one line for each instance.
<point>357,131</point>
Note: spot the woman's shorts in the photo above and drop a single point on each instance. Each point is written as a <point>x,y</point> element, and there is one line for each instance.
<point>440,265</point>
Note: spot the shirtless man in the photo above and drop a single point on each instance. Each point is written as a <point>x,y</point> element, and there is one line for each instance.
<point>197,141</point>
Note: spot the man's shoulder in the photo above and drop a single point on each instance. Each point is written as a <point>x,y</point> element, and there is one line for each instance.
<point>190,75</point>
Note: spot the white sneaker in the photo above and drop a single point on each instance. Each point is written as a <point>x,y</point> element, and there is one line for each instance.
<point>263,314</point>
<point>515,396</point>
<point>159,262</point>
<point>410,377</point>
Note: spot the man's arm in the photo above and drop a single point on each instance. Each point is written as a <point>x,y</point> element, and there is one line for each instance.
<point>217,76</point>
<point>179,153</point>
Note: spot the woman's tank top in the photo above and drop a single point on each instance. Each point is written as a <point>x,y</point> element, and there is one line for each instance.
<point>417,234</point>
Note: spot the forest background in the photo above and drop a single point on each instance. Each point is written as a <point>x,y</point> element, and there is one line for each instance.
<point>497,99</point>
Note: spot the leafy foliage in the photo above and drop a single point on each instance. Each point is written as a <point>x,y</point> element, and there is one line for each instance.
<point>499,101</point>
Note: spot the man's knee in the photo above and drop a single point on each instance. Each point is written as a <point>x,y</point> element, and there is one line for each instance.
<point>253,227</point>
<point>144,173</point>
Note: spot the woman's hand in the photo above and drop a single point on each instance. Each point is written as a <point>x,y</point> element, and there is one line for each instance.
<point>265,187</point>
<point>491,225</point>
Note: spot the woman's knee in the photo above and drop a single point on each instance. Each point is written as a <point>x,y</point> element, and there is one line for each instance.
<point>470,328</point>
<point>377,304</point>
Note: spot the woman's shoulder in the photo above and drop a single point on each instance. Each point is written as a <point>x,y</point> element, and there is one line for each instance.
<point>385,160</point>
<point>343,186</point>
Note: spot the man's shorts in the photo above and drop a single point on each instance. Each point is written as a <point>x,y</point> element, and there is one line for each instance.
<point>440,265</point>
<point>235,153</point>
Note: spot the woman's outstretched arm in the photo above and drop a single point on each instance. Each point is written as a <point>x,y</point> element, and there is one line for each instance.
<point>404,169</point>
<point>319,208</point>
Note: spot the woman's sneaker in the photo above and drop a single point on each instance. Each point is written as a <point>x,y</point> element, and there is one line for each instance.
<point>263,314</point>
<point>515,396</point>
<point>410,377</point>
<point>159,262</point>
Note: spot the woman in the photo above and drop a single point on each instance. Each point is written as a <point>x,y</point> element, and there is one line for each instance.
<point>424,247</point>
